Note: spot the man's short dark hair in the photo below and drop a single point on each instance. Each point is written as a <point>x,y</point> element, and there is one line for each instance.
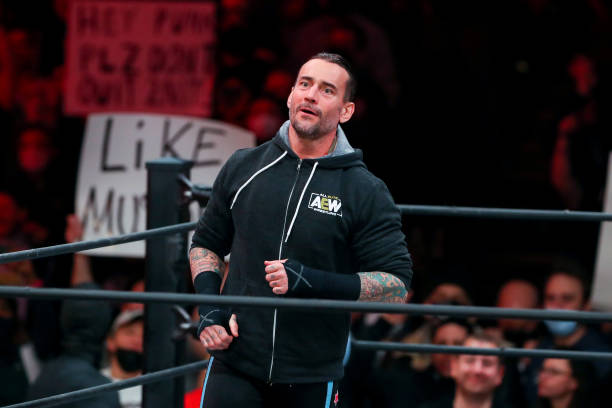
<point>573,269</point>
<point>351,83</point>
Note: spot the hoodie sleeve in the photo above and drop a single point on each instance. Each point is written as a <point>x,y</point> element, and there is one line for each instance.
<point>378,241</point>
<point>215,229</point>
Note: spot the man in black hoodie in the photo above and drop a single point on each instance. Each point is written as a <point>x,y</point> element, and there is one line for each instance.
<point>302,217</point>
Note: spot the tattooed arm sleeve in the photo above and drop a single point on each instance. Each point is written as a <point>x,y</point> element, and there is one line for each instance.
<point>381,287</point>
<point>204,260</point>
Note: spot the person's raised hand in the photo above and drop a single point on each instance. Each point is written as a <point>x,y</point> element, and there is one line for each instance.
<point>74,229</point>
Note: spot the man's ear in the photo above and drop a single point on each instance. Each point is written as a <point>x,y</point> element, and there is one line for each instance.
<point>110,345</point>
<point>347,111</point>
<point>289,97</point>
<point>500,375</point>
<point>453,366</point>
<point>573,384</point>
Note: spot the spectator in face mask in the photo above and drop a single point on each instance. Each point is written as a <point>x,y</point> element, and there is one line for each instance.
<point>124,347</point>
<point>567,289</point>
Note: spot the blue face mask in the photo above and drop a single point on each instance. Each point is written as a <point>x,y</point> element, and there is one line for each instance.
<point>561,327</point>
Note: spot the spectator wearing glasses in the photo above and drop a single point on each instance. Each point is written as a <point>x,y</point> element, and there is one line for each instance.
<point>565,384</point>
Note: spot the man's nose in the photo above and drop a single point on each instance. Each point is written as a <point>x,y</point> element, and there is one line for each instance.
<point>477,366</point>
<point>311,94</point>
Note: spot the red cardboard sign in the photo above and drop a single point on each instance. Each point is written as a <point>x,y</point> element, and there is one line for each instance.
<point>139,56</point>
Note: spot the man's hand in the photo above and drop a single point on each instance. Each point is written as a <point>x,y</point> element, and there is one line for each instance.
<point>215,337</point>
<point>276,275</point>
<point>74,229</point>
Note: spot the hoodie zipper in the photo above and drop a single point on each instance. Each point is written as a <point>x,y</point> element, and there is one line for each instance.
<point>280,253</point>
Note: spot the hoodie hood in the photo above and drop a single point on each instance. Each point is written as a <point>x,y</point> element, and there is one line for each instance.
<point>84,325</point>
<point>343,156</point>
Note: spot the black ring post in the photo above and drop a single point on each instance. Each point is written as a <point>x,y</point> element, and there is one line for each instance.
<point>166,271</point>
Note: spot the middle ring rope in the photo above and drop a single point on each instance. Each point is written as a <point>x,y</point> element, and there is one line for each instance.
<point>305,304</point>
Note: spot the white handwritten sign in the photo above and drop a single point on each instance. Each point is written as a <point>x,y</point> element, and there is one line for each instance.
<point>112,179</point>
<point>139,56</point>
<point>602,281</point>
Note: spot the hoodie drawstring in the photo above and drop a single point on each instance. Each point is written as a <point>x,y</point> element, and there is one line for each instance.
<point>300,200</point>
<point>255,175</point>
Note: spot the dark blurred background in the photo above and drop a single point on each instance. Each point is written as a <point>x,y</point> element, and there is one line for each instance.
<point>476,103</point>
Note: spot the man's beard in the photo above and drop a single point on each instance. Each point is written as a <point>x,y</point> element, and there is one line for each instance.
<point>307,132</point>
<point>312,132</point>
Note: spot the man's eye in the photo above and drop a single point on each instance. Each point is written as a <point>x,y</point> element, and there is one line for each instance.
<point>329,91</point>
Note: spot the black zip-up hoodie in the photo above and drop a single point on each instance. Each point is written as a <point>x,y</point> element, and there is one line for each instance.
<point>329,213</point>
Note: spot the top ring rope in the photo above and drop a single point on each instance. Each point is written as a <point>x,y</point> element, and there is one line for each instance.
<point>98,243</point>
<point>505,213</point>
<point>476,212</point>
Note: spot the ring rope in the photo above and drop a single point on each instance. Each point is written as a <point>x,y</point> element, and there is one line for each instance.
<point>505,213</point>
<point>91,391</point>
<point>477,212</point>
<point>503,351</point>
<point>97,243</point>
<point>360,344</point>
<point>305,304</point>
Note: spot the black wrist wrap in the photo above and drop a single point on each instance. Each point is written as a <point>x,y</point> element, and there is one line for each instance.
<point>209,283</point>
<point>315,283</point>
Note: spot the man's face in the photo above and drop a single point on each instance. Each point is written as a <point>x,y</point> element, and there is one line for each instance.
<point>446,293</point>
<point>127,337</point>
<point>517,295</point>
<point>555,379</point>
<point>316,102</point>
<point>477,374</point>
<point>449,334</point>
<point>34,150</point>
<point>563,292</point>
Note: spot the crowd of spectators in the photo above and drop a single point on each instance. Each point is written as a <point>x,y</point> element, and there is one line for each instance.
<point>401,379</point>
<point>493,104</point>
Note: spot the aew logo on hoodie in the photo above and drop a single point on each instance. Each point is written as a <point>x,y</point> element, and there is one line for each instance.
<point>325,204</point>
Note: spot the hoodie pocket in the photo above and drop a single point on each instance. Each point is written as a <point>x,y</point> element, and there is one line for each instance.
<point>313,337</point>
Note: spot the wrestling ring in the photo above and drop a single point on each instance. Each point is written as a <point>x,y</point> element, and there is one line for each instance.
<point>167,235</point>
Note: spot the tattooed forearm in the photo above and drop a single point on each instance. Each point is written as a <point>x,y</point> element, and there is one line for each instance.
<point>381,287</point>
<point>202,260</point>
